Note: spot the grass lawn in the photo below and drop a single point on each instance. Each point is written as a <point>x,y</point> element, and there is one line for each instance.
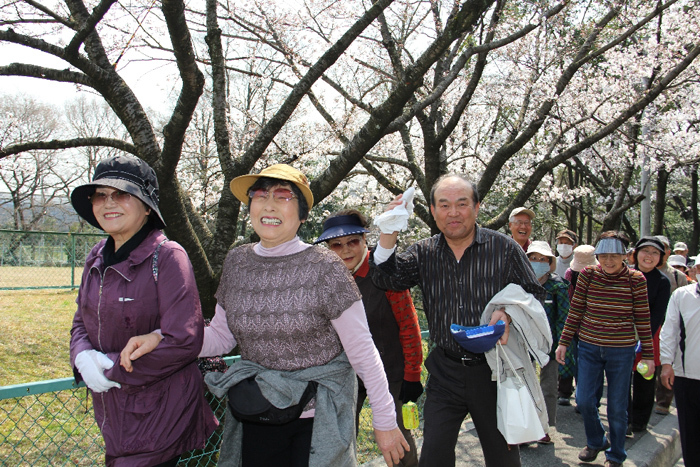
<point>36,334</point>
<point>52,428</point>
<point>35,347</point>
<point>26,276</point>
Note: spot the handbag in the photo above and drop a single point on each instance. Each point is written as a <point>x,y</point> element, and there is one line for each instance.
<point>516,413</point>
<point>247,403</point>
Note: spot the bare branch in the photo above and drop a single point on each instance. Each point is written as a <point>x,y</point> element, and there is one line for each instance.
<point>68,143</point>
<point>97,14</point>
<point>33,71</point>
<point>64,21</point>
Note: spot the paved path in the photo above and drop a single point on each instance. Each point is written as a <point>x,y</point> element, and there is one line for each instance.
<point>657,447</point>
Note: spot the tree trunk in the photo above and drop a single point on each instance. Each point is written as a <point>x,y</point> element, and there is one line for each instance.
<point>661,188</point>
<point>693,247</point>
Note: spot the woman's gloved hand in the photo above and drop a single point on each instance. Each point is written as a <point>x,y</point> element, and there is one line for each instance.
<point>410,391</point>
<point>92,364</point>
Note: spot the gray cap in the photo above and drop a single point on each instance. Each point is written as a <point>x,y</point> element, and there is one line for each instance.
<point>680,246</point>
<point>664,240</point>
<point>522,210</point>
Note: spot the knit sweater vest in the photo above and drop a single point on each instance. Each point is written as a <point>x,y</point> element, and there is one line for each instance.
<point>280,308</point>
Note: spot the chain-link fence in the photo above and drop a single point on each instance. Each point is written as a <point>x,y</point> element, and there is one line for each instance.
<point>51,423</point>
<point>43,260</point>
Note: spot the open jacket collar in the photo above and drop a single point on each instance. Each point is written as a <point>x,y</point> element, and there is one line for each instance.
<point>141,253</point>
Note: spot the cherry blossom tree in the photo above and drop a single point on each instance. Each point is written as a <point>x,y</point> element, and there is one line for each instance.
<point>383,94</point>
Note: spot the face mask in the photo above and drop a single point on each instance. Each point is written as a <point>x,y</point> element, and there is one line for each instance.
<point>540,268</point>
<point>565,250</point>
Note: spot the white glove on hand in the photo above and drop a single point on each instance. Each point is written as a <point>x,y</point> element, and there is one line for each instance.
<point>92,364</point>
<point>397,219</point>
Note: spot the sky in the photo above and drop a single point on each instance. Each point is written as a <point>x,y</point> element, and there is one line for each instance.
<point>151,84</point>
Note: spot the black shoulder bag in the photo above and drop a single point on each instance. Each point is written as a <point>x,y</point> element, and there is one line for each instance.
<point>248,404</point>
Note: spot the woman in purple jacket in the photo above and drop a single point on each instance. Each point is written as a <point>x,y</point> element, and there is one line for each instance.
<point>134,282</point>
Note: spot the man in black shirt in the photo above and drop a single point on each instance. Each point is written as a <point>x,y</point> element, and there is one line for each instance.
<point>459,271</point>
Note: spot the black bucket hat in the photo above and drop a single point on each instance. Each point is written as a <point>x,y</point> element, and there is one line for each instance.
<point>123,172</point>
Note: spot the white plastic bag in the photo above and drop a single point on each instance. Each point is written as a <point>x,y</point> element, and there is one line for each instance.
<point>516,411</point>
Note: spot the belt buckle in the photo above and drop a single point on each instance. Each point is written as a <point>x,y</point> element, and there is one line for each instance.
<point>467,361</point>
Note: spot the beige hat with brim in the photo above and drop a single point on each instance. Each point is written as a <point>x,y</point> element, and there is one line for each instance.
<point>543,248</point>
<point>583,256</point>
<point>241,185</point>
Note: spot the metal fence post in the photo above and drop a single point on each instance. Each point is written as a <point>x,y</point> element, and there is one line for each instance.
<point>72,261</point>
<point>38,259</point>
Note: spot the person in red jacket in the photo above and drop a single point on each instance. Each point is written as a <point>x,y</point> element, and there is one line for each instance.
<point>391,316</point>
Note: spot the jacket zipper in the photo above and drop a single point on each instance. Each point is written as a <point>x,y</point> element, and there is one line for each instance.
<point>99,317</point>
<point>99,303</point>
<point>99,334</point>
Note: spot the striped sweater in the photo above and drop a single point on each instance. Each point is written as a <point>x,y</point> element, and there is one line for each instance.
<point>606,309</point>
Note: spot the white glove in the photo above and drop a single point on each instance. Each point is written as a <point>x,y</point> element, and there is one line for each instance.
<point>397,219</point>
<point>92,364</point>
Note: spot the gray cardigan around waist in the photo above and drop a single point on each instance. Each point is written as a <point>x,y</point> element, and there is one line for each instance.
<point>333,439</point>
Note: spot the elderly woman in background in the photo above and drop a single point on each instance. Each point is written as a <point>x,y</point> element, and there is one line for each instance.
<point>297,317</point>
<point>610,302</point>
<point>391,315</point>
<point>556,305</point>
<point>648,255</point>
<point>583,256</point>
<point>134,282</point>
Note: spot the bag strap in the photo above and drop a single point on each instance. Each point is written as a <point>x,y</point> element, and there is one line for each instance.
<point>155,260</point>
<point>510,364</point>
<point>512,369</point>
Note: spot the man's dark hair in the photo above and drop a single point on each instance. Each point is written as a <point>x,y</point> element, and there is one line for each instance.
<point>265,183</point>
<point>472,185</point>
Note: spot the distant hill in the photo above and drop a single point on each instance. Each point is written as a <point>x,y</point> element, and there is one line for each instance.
<point>59,218</point>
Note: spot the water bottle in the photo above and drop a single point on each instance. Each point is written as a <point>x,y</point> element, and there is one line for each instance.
<point>643,368</point>
<point>410,415</point>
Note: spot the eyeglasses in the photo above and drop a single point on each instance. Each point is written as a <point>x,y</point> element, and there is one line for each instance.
<point>651,251</point>
<point>522,223</point>
<point>279,195</point>
<point>338,245</point>
<point>99,198</point>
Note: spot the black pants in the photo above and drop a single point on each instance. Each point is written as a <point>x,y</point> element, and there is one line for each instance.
<point>171,463</point>
<point>410,458</point>
<point>454,391</point>
<point>686,391</point>
<point>642,402</point>
<point>664,396</point>
<point>278,445</point>
<point>565,387</point>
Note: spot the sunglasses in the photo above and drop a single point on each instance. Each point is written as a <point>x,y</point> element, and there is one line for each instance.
<point>337,246</point>
<point>99,198</point>
<point>280,195</point>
